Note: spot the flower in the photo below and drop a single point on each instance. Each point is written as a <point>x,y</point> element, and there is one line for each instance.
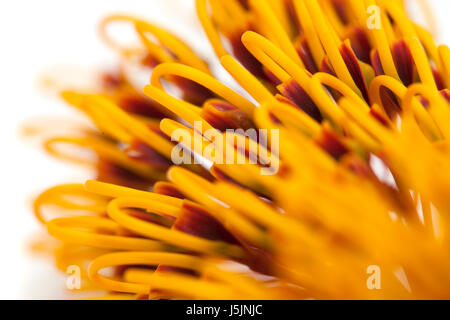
<point>352,103</point>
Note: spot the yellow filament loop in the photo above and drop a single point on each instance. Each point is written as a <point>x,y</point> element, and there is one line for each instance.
<point>252,85</point>
<point>342,88</point>
<point>192,185</point>
<point>131,124</point>
<point>438,106</point>
<point>388,28</point>
<point>229,16</point>
<point>384,49</point>
<point>424,120</point>
<point>246,175</point>
<point>254,208</point>
<point>263,118</point>
<point>200,190</point>
<point>420,58</point>
<point>105,23</point>
<point>292,117</point>
<point>115,191</point>
<point>328,106</point>
<point>183,109</point>
<point>259,54</point>
<point>103,148</point>
<point>174,237</point>
<point>208,27</point>
<point>102,120</point>
<point>72,230</point>
<point>275,59</point>
<point>324,101</point>
<point>309,31</point>
<point>399,16</point>
<point>428,42</point>
<point>55,196</point>
<point>137,258</point>
<point>325,33</point>
<point>229,142</point>
<point>182,52</point>
<point>86,142</point>
<point>168,42</point>
<point>422,62</point>
<point>181,284</point>
<point>364,120</point>
<point>275,29</point>
<point>207,81</point>
<point>388,82</point>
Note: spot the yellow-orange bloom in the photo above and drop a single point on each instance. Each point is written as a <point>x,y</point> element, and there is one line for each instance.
<point>364,160</point>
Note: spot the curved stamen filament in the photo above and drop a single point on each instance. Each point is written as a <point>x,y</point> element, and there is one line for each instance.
<point>181,239</point>
<point>207,81</point>
<point>69,230</point>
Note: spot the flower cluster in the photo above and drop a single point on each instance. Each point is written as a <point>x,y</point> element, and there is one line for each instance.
<point>363,120</point>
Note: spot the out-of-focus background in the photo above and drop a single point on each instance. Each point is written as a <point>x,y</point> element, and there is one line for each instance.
<point>34,37</point>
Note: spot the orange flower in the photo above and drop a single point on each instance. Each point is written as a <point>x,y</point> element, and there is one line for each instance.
<point>358,208</point>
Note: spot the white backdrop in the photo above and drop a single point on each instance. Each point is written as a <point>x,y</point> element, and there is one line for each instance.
<point>35,35</point>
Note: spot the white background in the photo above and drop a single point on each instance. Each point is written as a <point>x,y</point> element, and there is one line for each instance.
<point>36,35</point>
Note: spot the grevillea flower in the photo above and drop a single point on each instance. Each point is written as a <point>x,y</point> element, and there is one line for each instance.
<point>349,100</point>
